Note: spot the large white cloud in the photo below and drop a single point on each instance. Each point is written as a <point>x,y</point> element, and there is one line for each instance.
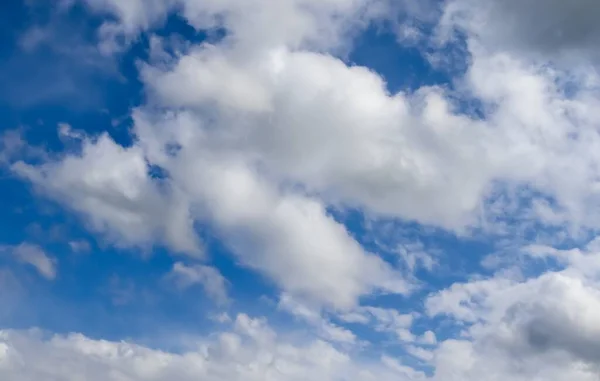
<point>287,236</point>
<point>250,350</point>
<point>391,154</point>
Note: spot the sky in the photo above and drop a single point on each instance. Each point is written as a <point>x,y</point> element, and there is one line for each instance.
<point>332,190</point>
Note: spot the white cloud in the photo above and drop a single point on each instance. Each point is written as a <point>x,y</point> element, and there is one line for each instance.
<point>546,329</point>
<point>214,284</point>
<point>34,256</point>
<point>385,320</point>
<point>110,185</point>
<point>222,318</point>
<point>420,353</point>
<point>428,338</point>
<point>394,155</point>
<point>252,24</point>
<point>540,328</point>
<point>392,321</point>
<point>287,236</point>
<point>322,326</point>
<point>208,77</point>
<point>250,351</point>
<point>401,369</point>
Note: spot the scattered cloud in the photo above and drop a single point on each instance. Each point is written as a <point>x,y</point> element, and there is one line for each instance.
<point>214,284</point>
<point>34,256</point>
<point>322,325</point>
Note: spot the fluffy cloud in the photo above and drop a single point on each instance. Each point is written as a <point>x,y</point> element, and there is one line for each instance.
<point>539,327</point>
<point>254,24</point>
<point>393,154</point>
<point>287,236</point>
<point>112,186</point>
<point>251,350</point>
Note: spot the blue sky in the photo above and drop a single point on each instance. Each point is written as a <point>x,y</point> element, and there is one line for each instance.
<point>341,190</point>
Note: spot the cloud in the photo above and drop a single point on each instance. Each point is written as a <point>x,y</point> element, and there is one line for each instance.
<point>428,338</point>
<point>285,235</point>
<point>530,28</point>
<point>538,327</point>
<point>250,350</point>
<point>541,329</point>
<point>111,185</point>
<point>259,136</point>
<point>324,328</point>
<point>383,320</point>
<point>295,23</point>
<point>33,256</point>
<point>214,284</point>
<point>394,155</point>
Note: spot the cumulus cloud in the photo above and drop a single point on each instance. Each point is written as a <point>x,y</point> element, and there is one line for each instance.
<point>111,185</point>
<point>287,236</point>
<point>394,154</point>
<point>537,327</point>
<point>250,350</point>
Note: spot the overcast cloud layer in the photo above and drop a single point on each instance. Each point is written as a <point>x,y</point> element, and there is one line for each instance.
<point>267,135</point>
